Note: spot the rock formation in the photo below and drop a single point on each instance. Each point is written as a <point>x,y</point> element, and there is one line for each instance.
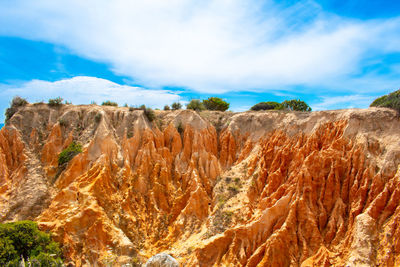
<point>269,188</point>
<point>162,260</point>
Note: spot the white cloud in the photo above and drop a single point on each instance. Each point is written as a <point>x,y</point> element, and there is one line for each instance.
<point>84,90</point>
<point>242,108</point>
<point>340,102</point>
<point>208,46</point>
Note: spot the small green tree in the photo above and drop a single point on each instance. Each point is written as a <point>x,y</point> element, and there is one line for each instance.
<point>55,102</point>
<point>166,107</point>
<point>109,103</point>
<point>67,154</point>
<point>267,106</point>
<point>148,112</point>
<point>176,106</point>
<point>297,105</point>
<point>24,239</point>
<point>215,103</point>
<point>196,105</point>
<point>391,100</point>
<point>16,102</point>
<point>97,117</point>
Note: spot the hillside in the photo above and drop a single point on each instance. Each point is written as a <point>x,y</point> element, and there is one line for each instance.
<point>270,188</point>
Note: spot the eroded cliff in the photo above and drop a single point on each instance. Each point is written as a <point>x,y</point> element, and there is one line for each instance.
<point>213,189</point>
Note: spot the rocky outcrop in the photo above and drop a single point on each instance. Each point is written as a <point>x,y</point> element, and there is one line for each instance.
<point>162,260</point>
<point>313,194</point>
<point>237,189</point>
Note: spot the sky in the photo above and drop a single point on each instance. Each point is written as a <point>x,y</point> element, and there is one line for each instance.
<point>331,54</point>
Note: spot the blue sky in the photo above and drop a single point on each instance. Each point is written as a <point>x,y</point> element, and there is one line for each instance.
<point>332,54</point>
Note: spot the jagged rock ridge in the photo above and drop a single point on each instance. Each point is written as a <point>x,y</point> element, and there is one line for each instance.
<point>212,189</point>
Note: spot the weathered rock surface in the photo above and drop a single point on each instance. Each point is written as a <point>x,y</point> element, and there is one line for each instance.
<point>213,189</point>
<point>162,260</point>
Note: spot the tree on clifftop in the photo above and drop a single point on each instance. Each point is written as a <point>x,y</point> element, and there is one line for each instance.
<point>391,100</point>
<point>215,103</point>
<point>196,105</point>
<point>15,104</point>
<point>267,106</point>
<point>176,106</point>
<point>294,104</point>
<point>297,105</point>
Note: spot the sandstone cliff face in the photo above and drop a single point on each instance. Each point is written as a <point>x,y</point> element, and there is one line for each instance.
<point>211,189</point>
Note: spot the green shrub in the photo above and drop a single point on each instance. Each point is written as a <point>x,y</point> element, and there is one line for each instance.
<point>16,102</point>
<point>196,105</point>
<point>62,122</point>
<point>55,102</point>
<point>176,106</point>
<point>296,105</point>
<point>215,103</point>
<point>9,113</point>
<point>166,107</point>
<point>19,102</point>
<point>97,117</point>
<point>267,106</point>
<point>391,100</point>
<point>221,220</point>
<point>24,239</point>
<point>148,112</point>
<point>180,128</point>
<point>67,154</point>
<point>109,103</point>
<point>151,116</point>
